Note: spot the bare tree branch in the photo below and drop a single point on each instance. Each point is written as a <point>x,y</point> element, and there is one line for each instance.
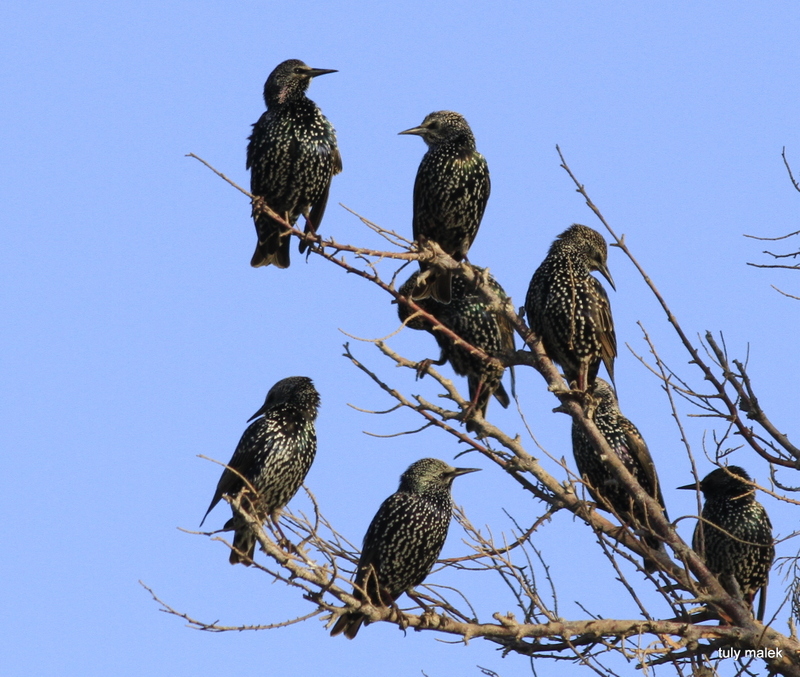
<point>319,564</point>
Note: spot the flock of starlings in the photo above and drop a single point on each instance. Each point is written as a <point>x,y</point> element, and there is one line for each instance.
<point>292,156</point>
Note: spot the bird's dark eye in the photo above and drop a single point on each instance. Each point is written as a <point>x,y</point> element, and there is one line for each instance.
<point>433,126</point>
<point>299,70</point>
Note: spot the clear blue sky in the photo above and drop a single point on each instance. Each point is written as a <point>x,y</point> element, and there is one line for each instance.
<point>137,336</point>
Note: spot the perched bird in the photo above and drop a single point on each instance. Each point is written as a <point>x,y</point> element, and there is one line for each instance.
<point>470,316</point>
<point>292,155</point>
<point>404,539</point>
<point>569,309</point>
<point>626,441</point>
<point>273,456</point>
<point>796,600</point>
<point>450,193</point>
<point>742,547</point>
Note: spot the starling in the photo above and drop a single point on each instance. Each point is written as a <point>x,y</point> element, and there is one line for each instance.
<point>470,316</point>
<point>404,539</point>
<point>569,309</point>
<point>626,441</point>
<point>742,547</point>
<point>273,456</point>
<point>292,156</point>
<point>450,193</point>
<point>796,600</point>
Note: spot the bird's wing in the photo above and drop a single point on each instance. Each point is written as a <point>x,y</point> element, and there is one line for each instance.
<point>605,326</point>
<point>242,463</point>
<point>483,188</point>
<point>375,541</point>
<point>641,454</point>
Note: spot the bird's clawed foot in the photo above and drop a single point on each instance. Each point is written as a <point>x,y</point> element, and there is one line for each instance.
<point>423,366</point>
<point>428,617</point>
<point>283,542</point>
<point>468,413</point>
<point>580,396</point>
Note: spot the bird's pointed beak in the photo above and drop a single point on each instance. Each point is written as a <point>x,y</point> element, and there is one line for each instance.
<point>258,413</point>
<point>603,270</point>
<point>463,471</point>
<point>691,486</point>
<point>316,72</point>
<point>417,131</point>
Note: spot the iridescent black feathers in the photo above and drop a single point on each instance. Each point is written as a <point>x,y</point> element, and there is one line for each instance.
<point>404,539</point>
<point>271,460</point>
<point>568,308</point>
<point>473,318</point>
<point>628,444</point>
<point>292,155</point>
<point>450,194</point>
<point>741,548</point>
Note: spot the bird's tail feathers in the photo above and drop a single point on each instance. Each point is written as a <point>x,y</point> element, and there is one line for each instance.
<point>244,547</point>
<point>349,624</point>
<point>434,283</point>
<point>268,253</point>
<point>502,396</point>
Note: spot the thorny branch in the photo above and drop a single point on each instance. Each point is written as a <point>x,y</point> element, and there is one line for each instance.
<point>321,563</point>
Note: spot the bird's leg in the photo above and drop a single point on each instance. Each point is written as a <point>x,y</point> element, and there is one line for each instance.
<point>574,393</point>
<point>399,616</point>
<point>473,403</point>
<point>427,611</point>
<point>579,388</point>
<point>424,365</point>
<point>590,404</point>
<point>310,231</point>
<point>583,377</point>
<point>309,236</point>
<point>284,542</point>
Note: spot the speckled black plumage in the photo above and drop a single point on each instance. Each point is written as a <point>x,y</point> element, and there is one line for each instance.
<point>747,550</point>
<point>627,442</point>
<point>292,155</point>
<point>450,192</point>
<point>471,317</point>
<point>569,309</point>
<point>404,539</point>
<point>274,455</point>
